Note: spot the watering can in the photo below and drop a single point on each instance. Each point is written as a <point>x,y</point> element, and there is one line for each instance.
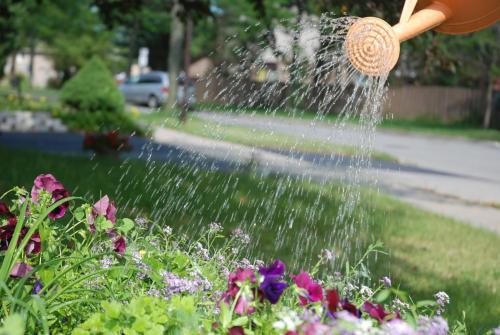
<point>372,45</point>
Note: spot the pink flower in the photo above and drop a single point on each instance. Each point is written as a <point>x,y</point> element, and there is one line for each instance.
<point>5,212</point>
<point>237,330</point>
<point>50,184</point>
<point>241,276</point>
<point>377,312</point>
<point>313,290</point>
<point>103,207</point>
<point>20,270</point>
<point>120,245</point>
<point>316,328</point>
<point>34,245</point>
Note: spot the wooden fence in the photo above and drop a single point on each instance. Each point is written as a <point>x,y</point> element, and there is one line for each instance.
<point>446,104</point>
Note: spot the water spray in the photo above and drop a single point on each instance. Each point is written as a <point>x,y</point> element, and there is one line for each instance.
<point>372,44</point>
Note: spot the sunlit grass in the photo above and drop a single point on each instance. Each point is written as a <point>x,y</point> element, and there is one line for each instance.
<point>424,126</point>
<point>428,252</point>
<point>251,137</point>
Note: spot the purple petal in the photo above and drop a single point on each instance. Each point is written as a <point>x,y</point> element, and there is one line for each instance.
<point>20,270</point>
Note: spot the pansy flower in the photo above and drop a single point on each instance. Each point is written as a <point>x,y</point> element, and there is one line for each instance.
<point>51,185</point>
<point>272,286</point>
<point>20,270</point>
<point>312,290</point>
<point>378,313</point>
<point>103,207</point>
<point>6,213</point>
<point>120,245</point>
<point>34,245</point>
<point>235,280</point>
<point>335,304</point>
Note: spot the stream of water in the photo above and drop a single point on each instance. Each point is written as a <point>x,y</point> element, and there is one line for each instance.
<point>280,198</point>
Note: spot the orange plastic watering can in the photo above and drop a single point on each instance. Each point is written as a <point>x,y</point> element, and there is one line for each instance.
<point>372,45</point>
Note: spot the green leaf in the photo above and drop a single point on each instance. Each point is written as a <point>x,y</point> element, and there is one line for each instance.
<point>12,325</point>
<point>426,303</point>
<point>382,296</point>
<point>112,309</point>
<point>181,261</point>
<point>102,224</point>
<point>225,315</point>
<point>125,225</point>
<point>239,321</point>
<point>79,213</point>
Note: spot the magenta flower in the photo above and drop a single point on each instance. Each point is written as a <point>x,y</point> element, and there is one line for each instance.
<point>316,328</point>
<point>335,304</point>
<point>235,279</point>
<point>20,270</point>
<point>236,330</point>
<point>50,184</point>
<point>5,212</point>
<point>313,291</point>
<point>34,245</point>
<point>120,245</point>
<point>103,207</point>
<point>377,312</point>
<point>272,287</point>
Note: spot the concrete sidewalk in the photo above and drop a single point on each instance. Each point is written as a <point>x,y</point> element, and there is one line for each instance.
<point>451,176</point>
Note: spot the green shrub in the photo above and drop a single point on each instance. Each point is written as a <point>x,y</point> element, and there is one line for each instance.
<point>94,101</point>
<point>93,89</point>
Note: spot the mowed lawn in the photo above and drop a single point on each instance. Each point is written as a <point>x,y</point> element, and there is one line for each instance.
<point>252,137</point>
<point>427,253</point>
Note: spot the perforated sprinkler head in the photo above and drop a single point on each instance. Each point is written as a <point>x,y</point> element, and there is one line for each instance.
<point>372,46</point>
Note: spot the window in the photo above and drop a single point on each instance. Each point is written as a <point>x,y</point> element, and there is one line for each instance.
<point>149,79</point>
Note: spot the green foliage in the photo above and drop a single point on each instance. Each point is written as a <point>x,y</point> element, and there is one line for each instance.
<point>93,89</point>
<point>94,100</point>
<point>143,315</point>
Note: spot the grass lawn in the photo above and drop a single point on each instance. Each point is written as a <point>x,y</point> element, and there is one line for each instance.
<point>427,252</point>
<point>252,137</point>
<point>419,126</point>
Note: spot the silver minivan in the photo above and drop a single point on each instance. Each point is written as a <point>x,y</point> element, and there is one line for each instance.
<point>152,89</point>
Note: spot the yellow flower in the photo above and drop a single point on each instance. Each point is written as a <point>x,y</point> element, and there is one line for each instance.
<point>135,112</point>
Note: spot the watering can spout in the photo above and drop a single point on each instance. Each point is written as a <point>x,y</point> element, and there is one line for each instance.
<point>372,45</point>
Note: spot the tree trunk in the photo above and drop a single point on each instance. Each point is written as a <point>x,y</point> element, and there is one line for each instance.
<point>132,45</point>
<point>32,60</point>
<point>13,64</point>
<point>489,104</point>
<point>293,69</point>
<point>187,64</point>
<point>174,53</point>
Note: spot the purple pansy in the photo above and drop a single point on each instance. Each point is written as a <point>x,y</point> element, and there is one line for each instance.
<point>37,287</point>
<point>50,184</point>
<point>272,287</point>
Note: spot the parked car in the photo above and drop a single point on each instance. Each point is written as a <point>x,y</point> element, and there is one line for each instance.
<point>152,89</point>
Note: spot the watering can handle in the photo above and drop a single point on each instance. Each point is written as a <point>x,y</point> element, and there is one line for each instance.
<point>408,9</point>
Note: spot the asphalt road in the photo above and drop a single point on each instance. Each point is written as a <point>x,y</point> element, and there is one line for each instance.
<point>455,177</point>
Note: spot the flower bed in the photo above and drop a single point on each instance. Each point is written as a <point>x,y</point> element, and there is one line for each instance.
<point>73,267</point>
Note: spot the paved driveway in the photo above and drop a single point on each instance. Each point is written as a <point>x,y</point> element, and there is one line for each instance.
<point>451,176</point>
